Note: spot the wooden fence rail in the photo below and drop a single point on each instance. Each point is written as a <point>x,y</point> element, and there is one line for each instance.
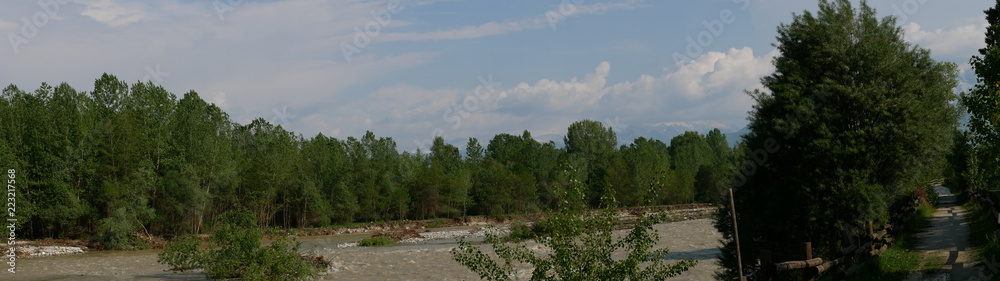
<point>875,242</point>
<point>987,200</point>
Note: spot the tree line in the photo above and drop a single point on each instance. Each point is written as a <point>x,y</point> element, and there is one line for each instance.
<point>127,159</point>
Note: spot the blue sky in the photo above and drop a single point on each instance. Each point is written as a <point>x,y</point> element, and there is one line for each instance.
<point>420,68</point>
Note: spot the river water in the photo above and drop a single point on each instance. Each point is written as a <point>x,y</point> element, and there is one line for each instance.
<point>422,260</point>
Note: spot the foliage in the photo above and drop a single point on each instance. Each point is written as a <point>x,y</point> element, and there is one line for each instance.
<point>578,247</point>
<point>133,159</point>
<point>521,232</point>
<point>853,118</point>
<point>182,254</point>
<point>116,232</point>
<point>983,236</point>
<point>376,241</point>
<point>983,101</point>
<point>959,158</point>
<point>236,252</point>
<point>900,260</point>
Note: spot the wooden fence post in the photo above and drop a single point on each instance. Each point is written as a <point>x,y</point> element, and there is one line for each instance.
<point>871,235</point>
<point>736,236</point>
<point>766,265</point>
<point>807,254</point>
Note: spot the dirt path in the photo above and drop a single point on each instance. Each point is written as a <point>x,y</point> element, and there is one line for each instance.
<point>947,239</point>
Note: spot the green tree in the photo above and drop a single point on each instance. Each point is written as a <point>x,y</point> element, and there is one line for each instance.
<point>596,144</point>
<point>445,160</point>
<point>268,169</point>
<point>710,179</point>
<point>688,152</point>
<point>376,179</point>
<point>497,190</point>
<point>325,163</point>
<point>199,169</point>
<point>474,152</point>
<point>853,118</point>
<point>983,101</point>
<point>648,161</point>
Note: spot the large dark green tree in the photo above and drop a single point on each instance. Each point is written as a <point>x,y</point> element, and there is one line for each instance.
<point>852,118</point>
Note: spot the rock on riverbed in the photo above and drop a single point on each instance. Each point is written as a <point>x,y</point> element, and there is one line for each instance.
<point>41,251</point>
<point>44,248</point>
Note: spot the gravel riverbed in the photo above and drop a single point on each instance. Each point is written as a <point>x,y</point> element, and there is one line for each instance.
<point>692,239</point>
<point>426,257</point>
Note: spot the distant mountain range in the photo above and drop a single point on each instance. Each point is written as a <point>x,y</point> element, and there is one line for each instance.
<point>668,130</point>
<point>662,131</point>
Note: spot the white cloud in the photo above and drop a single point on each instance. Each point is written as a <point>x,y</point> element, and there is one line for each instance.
<point>256,56</point>
<point>545,20</point>
<point>958,41</point>
<point>571,96</point>
<point>219,99</point>
<point>112,13</point>
<point>707,88</point>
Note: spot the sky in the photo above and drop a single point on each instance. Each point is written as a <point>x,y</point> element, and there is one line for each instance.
<point>416,69</point>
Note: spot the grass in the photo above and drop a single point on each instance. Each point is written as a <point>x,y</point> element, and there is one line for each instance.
<point>933,263</point>
<point>377,241</point>
<point>899,260</point>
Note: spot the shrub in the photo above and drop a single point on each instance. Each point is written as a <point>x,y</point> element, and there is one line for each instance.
<point>376,241</point>
<point>519,232</point>
<point>236,252</point>
<point>117,232</point>
<point>182,254</point>
<point>580,248</point>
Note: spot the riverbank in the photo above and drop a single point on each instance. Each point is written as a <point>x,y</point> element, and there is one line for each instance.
<point>406,231</point>
<point>691,236</point>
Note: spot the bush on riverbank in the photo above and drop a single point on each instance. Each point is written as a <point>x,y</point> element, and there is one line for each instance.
<point>581,248</point>
<point>236,252</point>
<point>376,241</point>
